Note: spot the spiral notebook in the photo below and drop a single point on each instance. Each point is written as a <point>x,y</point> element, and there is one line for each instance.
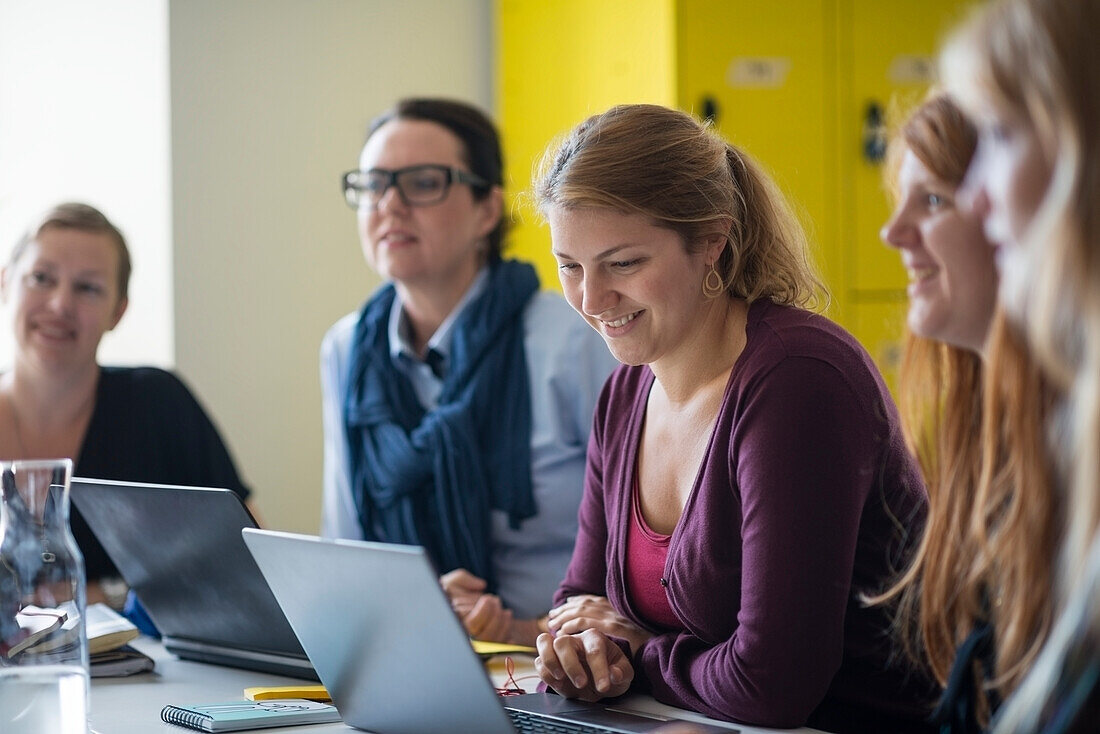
<point>238,715</point>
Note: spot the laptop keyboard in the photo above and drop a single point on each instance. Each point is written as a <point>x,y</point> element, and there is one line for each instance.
<point>528,723</point>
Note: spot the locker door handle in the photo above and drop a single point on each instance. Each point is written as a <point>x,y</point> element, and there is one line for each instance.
<point>709,108</point>
<point>874,133</point>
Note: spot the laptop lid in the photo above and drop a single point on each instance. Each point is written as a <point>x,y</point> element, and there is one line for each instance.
<point>380,634</point>
<point>180,550</point>
<point>386,645</point>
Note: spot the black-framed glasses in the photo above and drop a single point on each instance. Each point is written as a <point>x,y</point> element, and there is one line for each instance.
<point>421,185</point>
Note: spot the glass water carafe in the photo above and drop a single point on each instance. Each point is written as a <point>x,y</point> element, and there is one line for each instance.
<point>43,641</point>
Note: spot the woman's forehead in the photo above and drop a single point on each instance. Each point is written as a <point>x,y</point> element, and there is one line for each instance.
<point>74,248</point>
<point>403,142</point>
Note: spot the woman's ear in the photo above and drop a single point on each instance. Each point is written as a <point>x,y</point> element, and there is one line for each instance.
<point>492,206</point>
<point>716,240</point>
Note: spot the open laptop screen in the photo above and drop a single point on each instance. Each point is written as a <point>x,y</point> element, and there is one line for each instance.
<point>180,550</point>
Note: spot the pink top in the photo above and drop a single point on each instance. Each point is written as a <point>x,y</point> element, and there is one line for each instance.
<point>646,553</point>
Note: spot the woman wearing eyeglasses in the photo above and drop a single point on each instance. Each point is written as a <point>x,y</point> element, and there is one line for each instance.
<point>458,400</point>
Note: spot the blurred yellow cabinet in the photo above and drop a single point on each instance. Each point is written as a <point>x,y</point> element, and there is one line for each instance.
<point>806,86</point>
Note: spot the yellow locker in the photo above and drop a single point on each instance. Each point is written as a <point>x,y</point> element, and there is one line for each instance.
<point>803,85</point>
<point>886,62</point>
<point>768,82</point>
<point>559,62</point>
<point>879,326</point>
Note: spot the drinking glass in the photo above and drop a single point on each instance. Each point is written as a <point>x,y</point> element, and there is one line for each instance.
<point>43,641</point>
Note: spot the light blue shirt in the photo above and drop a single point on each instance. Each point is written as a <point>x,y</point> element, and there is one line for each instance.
<point>567,364</point>
<point>425,382</point>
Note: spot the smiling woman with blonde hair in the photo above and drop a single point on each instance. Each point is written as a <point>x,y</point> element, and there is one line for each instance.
<point>746,476</point>
<point>973,406</point>
<point>67,285</point>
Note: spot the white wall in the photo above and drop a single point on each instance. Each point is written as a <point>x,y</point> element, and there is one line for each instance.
<point>270,101</point>
<point>214,133</point>
<point>84,116</point>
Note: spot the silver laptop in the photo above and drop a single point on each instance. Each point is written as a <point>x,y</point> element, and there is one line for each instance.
<point>180,550</point>
<point>393,656</point>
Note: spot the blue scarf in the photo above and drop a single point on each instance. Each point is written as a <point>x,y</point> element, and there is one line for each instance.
<point>430,477</point>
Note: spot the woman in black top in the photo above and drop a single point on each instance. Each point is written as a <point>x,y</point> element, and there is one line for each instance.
<point>66,283</point>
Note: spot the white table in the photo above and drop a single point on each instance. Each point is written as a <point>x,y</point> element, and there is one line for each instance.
<point>132,705</point>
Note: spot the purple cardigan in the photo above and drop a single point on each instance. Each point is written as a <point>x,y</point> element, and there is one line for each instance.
<point>806,497</point>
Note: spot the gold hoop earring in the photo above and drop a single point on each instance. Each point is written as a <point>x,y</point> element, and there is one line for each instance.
<point>713,285</point>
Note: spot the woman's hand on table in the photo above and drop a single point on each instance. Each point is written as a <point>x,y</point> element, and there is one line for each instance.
<point>484,615</point>
<point>463,589</point>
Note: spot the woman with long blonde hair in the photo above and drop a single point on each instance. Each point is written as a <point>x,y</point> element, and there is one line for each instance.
<point>967,606</point>
<point>1025,70</point>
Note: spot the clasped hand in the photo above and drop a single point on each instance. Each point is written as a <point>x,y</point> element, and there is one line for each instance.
<point>579,660</point>
<point>585,612</point>
<point>483,615</point>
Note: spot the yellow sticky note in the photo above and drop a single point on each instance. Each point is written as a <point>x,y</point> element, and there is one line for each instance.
<point>310,693</point>
<point>485,648</point>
